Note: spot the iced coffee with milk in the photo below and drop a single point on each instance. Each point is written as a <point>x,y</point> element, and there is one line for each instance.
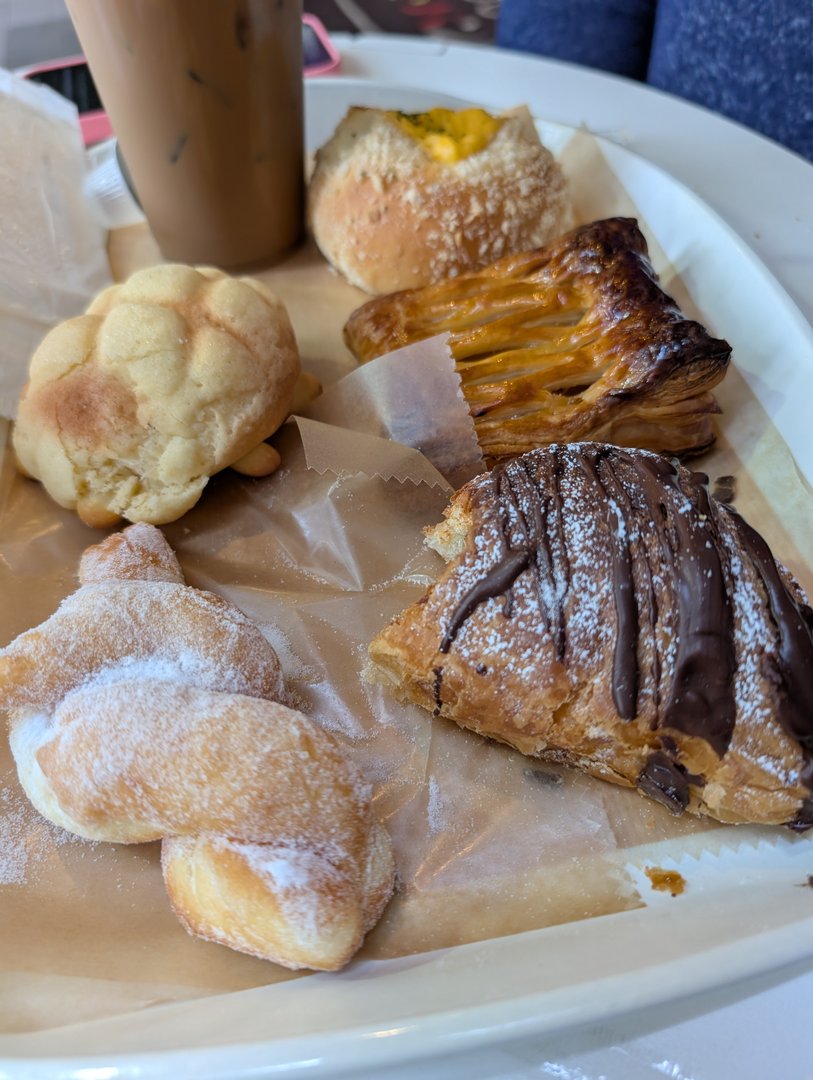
<point>205,97</point>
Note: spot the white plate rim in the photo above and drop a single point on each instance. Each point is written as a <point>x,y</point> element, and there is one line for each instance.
<point>533,1014</point>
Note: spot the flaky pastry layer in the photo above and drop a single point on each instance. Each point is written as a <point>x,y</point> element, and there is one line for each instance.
<point>600,609</point>
<point>572,341</point>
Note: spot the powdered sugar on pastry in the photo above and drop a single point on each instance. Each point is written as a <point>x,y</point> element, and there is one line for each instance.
<point>143,710</point>
<point>209,642</point>
<point>140,552</point>
<point>601,609</point>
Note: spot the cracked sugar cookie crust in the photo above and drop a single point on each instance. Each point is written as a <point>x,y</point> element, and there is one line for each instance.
<point>165,380</point>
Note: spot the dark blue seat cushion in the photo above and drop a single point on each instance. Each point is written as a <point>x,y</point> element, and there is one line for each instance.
<point>750,60</point>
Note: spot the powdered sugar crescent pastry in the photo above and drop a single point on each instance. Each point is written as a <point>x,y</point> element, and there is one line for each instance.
<point>600,609</point>
<point>399,200</point>
<point>168,378</point>
<point>144,709</point>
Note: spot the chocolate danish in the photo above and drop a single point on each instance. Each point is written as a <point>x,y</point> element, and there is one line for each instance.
<point>599,608</point>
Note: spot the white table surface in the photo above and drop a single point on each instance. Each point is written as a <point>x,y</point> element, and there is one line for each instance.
<point>759,1028</point>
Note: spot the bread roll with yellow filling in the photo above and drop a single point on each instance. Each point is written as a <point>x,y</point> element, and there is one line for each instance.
<point>400,200</point>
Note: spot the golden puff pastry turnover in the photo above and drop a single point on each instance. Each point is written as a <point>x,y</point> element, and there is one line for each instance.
<point>567,342</point>
<point>144,709</point>
<point>600,609</point>
<point>168,378</point>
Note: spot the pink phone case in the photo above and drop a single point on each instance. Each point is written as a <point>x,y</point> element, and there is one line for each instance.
<point>326,56</point>
<point>94,123</point>
<point>320,57</point>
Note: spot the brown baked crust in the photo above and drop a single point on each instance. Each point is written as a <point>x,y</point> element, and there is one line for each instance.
<point>572,341</point>
<point>388,216</point>
<point>599,609</point>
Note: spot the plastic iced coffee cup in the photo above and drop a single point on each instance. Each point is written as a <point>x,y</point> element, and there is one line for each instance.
<point>205,97</point>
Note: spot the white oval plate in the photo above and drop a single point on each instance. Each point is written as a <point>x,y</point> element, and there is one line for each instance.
<point>744,915</point>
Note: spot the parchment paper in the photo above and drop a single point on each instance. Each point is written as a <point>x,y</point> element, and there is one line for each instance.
<point>52,255</point>
<point>321,555</point>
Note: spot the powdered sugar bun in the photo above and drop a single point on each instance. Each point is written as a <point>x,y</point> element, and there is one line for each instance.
<point>139,628</point>
<point>139,553</point>
<point>301,905</point>
<point>270,845</point>
<point>389,216</point>
<point>145,709</point>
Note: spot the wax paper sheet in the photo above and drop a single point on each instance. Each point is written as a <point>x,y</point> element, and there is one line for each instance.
<point>52,253</point>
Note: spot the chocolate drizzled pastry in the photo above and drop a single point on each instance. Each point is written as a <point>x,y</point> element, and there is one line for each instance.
<point>599,608</point>
<point>572,341</point>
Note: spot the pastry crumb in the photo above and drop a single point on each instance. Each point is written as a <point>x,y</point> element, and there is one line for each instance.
<point>665,880</point>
